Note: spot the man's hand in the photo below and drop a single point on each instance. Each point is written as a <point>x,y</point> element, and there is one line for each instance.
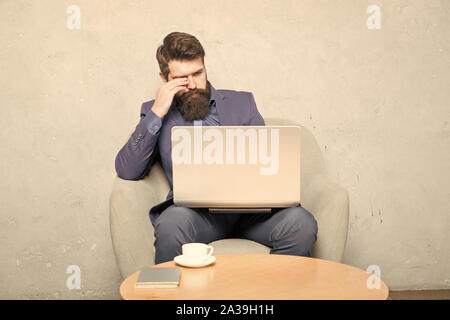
<point>165,94</point>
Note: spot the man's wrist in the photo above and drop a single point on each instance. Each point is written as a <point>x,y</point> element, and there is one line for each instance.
<point>157,112</point>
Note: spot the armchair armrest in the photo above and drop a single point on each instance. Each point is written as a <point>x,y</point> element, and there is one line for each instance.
<point>329,204</point>
<point>131,230</point>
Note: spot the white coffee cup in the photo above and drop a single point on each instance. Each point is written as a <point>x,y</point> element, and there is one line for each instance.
<point>196,252</point>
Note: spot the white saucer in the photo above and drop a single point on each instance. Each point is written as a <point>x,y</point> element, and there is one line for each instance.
<point>179,260</point>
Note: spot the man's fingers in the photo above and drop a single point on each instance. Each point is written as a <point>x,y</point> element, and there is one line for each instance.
<point>178,88</point>
<point>177,82</point>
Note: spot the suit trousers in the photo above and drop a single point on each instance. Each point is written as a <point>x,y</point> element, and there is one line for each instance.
<point>291,231</point>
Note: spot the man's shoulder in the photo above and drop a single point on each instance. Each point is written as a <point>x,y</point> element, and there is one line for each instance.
<point>233,93</point>
<point>235,97</point>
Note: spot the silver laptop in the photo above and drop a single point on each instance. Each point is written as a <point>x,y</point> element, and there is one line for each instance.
<point>236,168</point>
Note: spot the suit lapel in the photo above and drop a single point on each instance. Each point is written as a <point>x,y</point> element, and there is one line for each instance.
<point>221,107</point>
<point>223,112</point>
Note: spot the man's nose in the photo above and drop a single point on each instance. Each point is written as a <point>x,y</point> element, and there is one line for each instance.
<point>191,82</point>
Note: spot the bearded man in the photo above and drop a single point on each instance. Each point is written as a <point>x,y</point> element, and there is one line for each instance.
<point>186,97</point>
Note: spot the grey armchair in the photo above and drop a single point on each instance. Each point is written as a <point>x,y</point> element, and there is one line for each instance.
<point>132,233</point>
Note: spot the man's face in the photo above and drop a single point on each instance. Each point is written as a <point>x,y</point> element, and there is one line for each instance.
<point>193,101</point>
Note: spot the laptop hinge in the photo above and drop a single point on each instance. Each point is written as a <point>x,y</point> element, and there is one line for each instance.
<point>240,210</point>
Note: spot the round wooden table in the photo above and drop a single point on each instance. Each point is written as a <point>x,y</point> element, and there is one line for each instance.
<point>263,277</point>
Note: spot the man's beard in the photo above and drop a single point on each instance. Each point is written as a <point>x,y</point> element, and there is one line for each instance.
<point>194,104</point>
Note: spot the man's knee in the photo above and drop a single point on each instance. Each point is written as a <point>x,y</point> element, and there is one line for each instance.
<point>173,228</point>
<point>307,220</point>
<point>174,222</point>
<point>298,224</point>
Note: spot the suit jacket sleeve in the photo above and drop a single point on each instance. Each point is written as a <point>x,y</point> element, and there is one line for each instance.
<point>255,117</point>
<point>134,160</point>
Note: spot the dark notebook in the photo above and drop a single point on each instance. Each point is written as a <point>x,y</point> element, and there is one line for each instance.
<point>158,277</point>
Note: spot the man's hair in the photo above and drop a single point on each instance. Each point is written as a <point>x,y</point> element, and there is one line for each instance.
<point>178,46</point>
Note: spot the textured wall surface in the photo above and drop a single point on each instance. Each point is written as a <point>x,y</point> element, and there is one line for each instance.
<point>376,100</point>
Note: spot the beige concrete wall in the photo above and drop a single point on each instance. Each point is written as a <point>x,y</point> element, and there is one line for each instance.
<point>376,100</point>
